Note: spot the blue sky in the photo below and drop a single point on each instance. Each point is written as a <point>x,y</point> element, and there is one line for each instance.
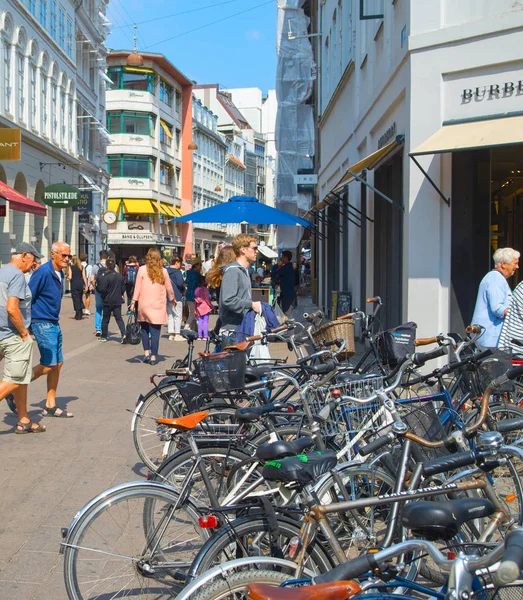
<point>238,51</point>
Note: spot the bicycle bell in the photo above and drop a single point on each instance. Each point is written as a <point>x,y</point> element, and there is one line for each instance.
<point>489,441</point>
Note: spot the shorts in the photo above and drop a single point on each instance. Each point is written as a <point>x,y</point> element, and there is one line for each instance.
<point>49,339</point>
<point>18,359</point>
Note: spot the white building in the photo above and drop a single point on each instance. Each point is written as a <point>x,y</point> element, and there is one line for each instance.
<point>208,177</point>
<point>443,82</point>
<point>51,54</point>
<point>149,115</point>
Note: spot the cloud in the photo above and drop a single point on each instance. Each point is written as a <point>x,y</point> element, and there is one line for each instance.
<point>254,35</point>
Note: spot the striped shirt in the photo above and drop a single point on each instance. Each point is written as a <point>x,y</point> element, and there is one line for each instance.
<point>513,324</point>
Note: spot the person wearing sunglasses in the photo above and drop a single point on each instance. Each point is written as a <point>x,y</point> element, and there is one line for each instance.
<point>47,288</point>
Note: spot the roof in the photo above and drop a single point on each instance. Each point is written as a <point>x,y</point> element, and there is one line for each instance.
<point>227,103</point>
<point>158,59</point>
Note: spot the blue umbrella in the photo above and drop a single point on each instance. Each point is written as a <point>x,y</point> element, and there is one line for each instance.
<point>243,209</point>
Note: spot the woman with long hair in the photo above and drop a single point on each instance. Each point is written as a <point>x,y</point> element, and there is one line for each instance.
<point>151,291</point>
<point>76,275</point>
<point>215,275</point>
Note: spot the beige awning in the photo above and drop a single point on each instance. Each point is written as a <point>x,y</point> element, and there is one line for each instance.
<point>476,134</point>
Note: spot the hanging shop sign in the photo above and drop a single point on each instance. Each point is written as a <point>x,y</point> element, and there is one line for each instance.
<point>10,142</point>
<point>84,217</point>
<point>61,195</point>
<point>85,204</point>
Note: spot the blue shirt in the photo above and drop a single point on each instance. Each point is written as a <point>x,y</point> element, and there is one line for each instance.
<point>46,286</point>
<point>285,276</point>
<point>177,282</point>
<point>493,299</point>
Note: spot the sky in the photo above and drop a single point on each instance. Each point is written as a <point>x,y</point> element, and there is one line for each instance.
<point>229,42</point>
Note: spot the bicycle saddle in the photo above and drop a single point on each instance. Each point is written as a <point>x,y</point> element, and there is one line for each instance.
<point>253,413</point>
<point>442,520</point>
<point>189,335</point>
<point>337,590</point>
<point>283,449</point>
<point>352,377</point>
<point>255,373</point>
<point>303,469</point>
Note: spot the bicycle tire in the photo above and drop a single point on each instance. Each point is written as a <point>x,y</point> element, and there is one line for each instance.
<point>236,583</point>
<point>113,516</point>
<point>151,449</point>
<point>251,535</point>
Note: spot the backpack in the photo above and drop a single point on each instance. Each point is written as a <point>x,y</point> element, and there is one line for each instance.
<point>131,274</point>
<point>102,270</point>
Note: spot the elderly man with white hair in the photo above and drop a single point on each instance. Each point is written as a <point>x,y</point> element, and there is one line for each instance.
<point>494,296</point>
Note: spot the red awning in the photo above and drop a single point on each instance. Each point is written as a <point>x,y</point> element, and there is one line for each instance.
<point>18,201</point>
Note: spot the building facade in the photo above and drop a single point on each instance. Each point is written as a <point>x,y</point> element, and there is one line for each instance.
<point>420,153</point>
<point>149,119</point>
<point>53,90</point>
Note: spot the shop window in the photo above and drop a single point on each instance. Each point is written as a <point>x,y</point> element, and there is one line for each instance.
<point>127,78</point>
<point>166,92</point>
<point>130,166</point>
<point>130,122</point>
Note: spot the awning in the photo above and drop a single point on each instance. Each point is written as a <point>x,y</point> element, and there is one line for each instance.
<point>139,70</point>
<point>177,212</point>
<point>166,129</point>
<point>138,207</point>
<point>18,201</point>
<point>475,134</point>
<point>267,252</point>
<point>113,204</point>
<point>167,209</point>
<point>236,161</point>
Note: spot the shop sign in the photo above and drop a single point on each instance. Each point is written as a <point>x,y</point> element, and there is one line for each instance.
<point>84,217</point>
<point>85,204</point>
<point>388,136</point>
<point>122,238</point>
<point>61,195</point>
<point>483,92</point>
<point>10,143</point>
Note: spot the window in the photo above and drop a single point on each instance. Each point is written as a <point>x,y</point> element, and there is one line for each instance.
<point>52,18</point>
<point>43,103</point>
<point>130,166</point>
<point>126,78</point>
<point>21,86</point>
<point>54,109</point>
<point>178,102</point>
<point>7,77</point>
<point>62,117</point>
<point>61,28</point>
<point>83,129</point>
<point>166,174</point>
<point>43,13</point>
<point>32,95</point>
<point>130,122</point>
<point>166,92</point>
<point>31,7</point>
<point>166,138</point>
<point>69,38</point>
<point>178,137</point>
<point>70,119</point>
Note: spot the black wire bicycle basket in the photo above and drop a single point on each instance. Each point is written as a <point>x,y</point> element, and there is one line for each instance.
<point>222,372</point>
<point>508,592</point>
<point>493,367</point>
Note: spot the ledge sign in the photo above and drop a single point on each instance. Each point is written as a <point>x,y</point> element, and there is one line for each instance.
<point>61,195</point>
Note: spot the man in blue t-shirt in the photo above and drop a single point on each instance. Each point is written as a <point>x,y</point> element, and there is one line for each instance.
<point>16,345</point>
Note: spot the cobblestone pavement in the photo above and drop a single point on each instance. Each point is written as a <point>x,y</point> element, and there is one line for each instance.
<point>46,478</point>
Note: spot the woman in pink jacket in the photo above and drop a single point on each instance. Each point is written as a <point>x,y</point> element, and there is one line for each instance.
<point>151,291</point>
<point>202,308</point>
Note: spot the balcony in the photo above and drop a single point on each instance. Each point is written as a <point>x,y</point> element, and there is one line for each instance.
<point>130,143</point>
<point>136,100</point>
<point>119,186</point>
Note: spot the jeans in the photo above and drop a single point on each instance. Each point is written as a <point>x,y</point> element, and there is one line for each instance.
<point>191,321</point>
<point>116,311</point>
<point>129,289</point>
<point>174,317</point>
<point>203,326</point>
<point>154,343</point>
<point>99,311</point>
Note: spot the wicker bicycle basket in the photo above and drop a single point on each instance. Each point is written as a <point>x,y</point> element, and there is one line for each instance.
<point>337,330</point>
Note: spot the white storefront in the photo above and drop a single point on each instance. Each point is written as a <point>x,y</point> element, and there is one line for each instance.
<point>427,68</point>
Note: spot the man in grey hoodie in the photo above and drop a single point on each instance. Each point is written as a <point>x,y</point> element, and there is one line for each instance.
<point>235,292</point>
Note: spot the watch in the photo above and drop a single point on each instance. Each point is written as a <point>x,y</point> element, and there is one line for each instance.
<point>109,217</point>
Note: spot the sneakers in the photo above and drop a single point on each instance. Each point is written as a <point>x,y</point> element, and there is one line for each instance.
<point>124,340</point>
<point>102,339</point>
<point>179,338</point>
<point>98,333</point>
<point>87,312</point>
<point>199,340</point>
<point>172,338</point>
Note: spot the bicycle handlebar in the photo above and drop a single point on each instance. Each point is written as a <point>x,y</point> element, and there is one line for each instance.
<point>311,316</point>
<point>512,563</point>
<point>474,329</point>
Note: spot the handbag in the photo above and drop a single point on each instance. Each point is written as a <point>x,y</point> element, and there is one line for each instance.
<point>133,331</point>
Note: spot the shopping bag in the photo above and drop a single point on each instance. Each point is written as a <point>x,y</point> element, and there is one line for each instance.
<point>133,332</point>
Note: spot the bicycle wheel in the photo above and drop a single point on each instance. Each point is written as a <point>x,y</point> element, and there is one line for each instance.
<point>251,536</point>
<point>150,440</point>
<point>109,553</point>
<point>218,462</point>
<point>234,586</point>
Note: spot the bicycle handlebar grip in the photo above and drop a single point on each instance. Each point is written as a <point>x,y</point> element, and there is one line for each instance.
<point>473,329</point>
<point>448,463</point>
<point>420,358</point>
<point>509,425</point>
<point>349,570</point>
<point>311,316</point>
<point>347,316</point>
<point>376,444</point>
<point>375,300</point>
<point>279,329</point>
<point>515,372</point>
<point>426,341</point>
<point>336,342</point>
<point>512,562</point>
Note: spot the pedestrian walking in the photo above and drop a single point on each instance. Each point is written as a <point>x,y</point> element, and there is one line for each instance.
<point>112,287</point>
<point>47,286</point>
<point>129,272</point>
<point>152,290</point>
<point>203,308</point>
<point>16,345</point>
<point>78,280</point>
<point>97,272</point>
<point>88,270</point>
<point>192,279</point>
<point>493,300</point>
<point>175,309</point>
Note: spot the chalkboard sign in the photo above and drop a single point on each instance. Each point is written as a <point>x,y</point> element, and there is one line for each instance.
<point>341,304</point>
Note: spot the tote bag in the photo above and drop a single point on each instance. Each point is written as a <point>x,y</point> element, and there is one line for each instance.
<point>133,333</point>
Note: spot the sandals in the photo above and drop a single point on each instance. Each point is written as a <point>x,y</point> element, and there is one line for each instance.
<point>28,428</point>
<point>51,412</point>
